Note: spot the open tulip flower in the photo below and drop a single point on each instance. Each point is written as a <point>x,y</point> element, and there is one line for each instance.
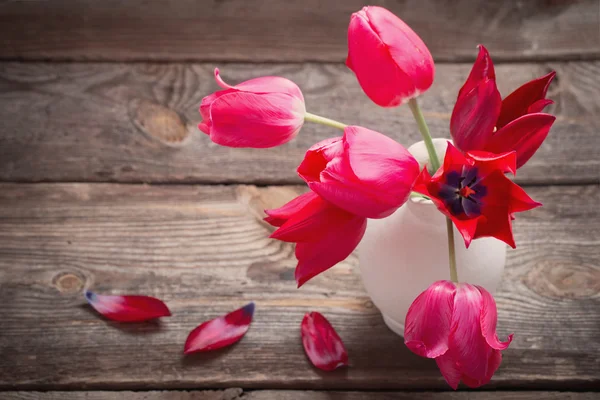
<point>481,120</point>
<point>474,192</point>
<point>261,112</point>
<point>456,325</point>
<point>391,62</point>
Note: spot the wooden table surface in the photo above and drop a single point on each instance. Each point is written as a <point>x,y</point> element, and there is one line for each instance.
<point>106,184</point>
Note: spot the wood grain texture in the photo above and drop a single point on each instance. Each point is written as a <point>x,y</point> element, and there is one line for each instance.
<point>238,394</point>
<point>297,30</point>
<point>138,122</point>
<point>205,251</point>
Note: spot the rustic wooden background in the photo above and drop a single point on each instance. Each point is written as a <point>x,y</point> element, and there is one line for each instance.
<point>106,184</point>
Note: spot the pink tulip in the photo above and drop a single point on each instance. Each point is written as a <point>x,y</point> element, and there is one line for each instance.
<point>262,112</point>
<point>390,60</point>
<point>456,325</point>
<point>324,233</point>
<point>364,172</point>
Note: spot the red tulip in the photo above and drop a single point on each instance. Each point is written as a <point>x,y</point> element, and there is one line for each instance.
<point>324,233</point>
<point>390,60</point>
<point>261,112</point>
<point>220,332</point>
<point>475,193</point>
<point>128,308</point>
<point>322,344</point>
<point>456,325</point>
<point>481,120</point>
<point>363,172</point>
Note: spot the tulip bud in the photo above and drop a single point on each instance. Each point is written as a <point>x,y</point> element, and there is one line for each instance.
<point>390,60</point>
<point>262,112</point>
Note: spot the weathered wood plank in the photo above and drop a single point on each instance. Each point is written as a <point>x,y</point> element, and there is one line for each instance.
<point>238,394</point>
<point>138,123</point>
<point>205,251</point>
<point>300,30</point>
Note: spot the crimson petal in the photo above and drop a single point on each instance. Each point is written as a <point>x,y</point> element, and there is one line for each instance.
<point>127,308</point>
<point>321,343</point>
<point>220,332</point>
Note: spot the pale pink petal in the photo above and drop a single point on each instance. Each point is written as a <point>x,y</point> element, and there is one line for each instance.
<point>489,319</point>
<point>427,325</point>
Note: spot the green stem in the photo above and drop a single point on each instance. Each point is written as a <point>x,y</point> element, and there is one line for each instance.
<point>434,162</point>
<point>451,252</point>
<point>324,121</point>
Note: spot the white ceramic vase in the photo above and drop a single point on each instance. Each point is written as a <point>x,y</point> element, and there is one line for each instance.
<point>401,255</point>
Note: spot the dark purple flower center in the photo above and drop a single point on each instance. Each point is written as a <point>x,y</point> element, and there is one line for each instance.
<point>463,192</point>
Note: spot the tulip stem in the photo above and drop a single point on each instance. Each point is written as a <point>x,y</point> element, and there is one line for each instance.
<point>324,121</point>
<point>451,252</point>
<point>434,162</point>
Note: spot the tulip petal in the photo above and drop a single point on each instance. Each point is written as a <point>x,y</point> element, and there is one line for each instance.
<point>263,84</point>
<point>241,119</point>
<point>322,344</point>
<point>483,69</point>
<point>127,308</point>
<point>317,157</point>
<point>505,162</point>
<point>525,135</point>
<point>489,319</point>
<point>427,324</point>
<point>339,241</point>
<point>469,348</point>
<point>474,116</point>
<point>312,222</point>
<point>378,74</point>
<point>518,102</point>
<point>220,332</point>
<point>279,216</point>
<point>449,369</point>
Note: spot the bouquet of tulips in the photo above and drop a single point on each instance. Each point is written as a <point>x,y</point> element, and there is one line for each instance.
<point>364,174</point>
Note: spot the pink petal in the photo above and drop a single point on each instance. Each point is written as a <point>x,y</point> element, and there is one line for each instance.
<point>489,319</point>
<point>339,241</point>
<point>242,119</point>
<point>264,84</point>
<point>279,216</point>
<point>489,162</point>
<point>220,332</point>
<point>321,343</point>
<point>449,369</point>
<point>313,221</point>
<point>382,80</point>
<point>427,325</point>
<point>518,102</point>
<point>127,308</point>
<point>525,135</point>
<point>468,346</point>
<point>318,156</point>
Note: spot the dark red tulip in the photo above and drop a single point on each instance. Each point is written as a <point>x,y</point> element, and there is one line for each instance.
<point>482,121</point>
